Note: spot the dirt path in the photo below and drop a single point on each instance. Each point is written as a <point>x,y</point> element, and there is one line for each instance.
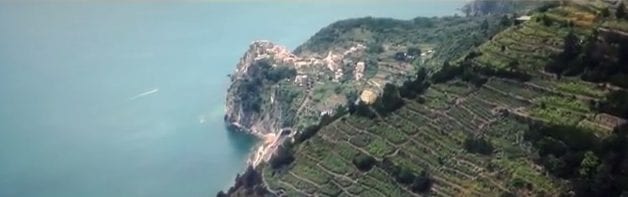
<point>270,143</point>
<point>295,188</point>
<point>304,179</point>
<point>304,103</point>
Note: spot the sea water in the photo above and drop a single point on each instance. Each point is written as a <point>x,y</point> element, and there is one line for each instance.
<point>127,98</point>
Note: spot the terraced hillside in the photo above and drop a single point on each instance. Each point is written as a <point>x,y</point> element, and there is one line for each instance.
<point>274,90</point>
<point>520,115</point>
<point>427,140</point>
<point>521,54</point>
<point>392,50</point>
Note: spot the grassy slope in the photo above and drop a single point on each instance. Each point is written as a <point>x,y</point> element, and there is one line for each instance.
<point>429,136</point>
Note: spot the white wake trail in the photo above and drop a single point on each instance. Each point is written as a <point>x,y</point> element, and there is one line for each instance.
<point>143,94</point>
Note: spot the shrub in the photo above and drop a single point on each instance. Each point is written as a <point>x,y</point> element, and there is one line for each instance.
<point>414,51</point>
<point>571,50</point>
<point>361,109</point>
<point>472,77</point>
<point>615,103</point>
<point>422,183</point>
<point>278,73</point>
<point>549,145</point>
<point>446,73</point>
<point>405,176</point>
<point>411,88</point>
<point>548,5</point>
<point>505,21</point>
<point>390,100</point>
<point>546,20</point>
<point>605,12</point>
<point>374,48</point>
<point>519,183</point>
<point>307,133</point>
<point>283,156</point>
<point>621,12</point>
<point>363,162</point>
<point>478,145</point>
<point>249,95</point>
<point>400,56</point>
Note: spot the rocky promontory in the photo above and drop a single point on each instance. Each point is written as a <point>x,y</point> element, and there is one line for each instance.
<point>277,94</point>
<point>271,90</point>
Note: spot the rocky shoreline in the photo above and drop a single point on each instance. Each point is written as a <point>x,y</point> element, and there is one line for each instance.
<point>266,120</point>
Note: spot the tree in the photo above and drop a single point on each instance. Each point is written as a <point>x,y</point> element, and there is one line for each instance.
<point>247,184</point>
<point>615,103</point>
<point>282,157</point>
<point>484,26</point>
<point>422,183</point>
<point>363,162</point>
<point>549,145</point>
<point>405,176</point>
<point>589,164</point>
<point>518,183</point>
<point>446,73</point>
<point>307,133</point>
<point>472,77</point>
<point>411,88</point>
<point>414,51</point>
<point>605,12</point>
<point>352,97</point>
<point>571,49</point>
<point>400,56</point>
<point>390,100</point>
<point>553,164</point>
<point>621,12</point>
<point>390,167</point>
<point>505,21</point>
<point>362,109</point>
<point>546,20</point>
<point>478,145</point>
<point>276,74</point>
<point>248,93</point>
<point>513,65</point>
<point>374,48</point>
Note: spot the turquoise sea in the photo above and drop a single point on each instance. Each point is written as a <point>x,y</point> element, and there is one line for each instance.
<point>127,99</point>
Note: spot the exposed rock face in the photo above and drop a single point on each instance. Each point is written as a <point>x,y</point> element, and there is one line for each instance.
<point>254,104</point>
<point>237,115</point>
<point>266,120</point>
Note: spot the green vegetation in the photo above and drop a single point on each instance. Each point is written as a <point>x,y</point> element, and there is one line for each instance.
<point>538,110</point>
<point>448,37</point>
<point>615,103</point>
<point>283,157</point>
<point>363,162</point>
<point>478,145</point>
<point>250,89</point>
<point>580,88</point>
<point>620,12</point>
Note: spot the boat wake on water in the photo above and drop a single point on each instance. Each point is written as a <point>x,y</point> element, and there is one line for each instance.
<point>143,94</point>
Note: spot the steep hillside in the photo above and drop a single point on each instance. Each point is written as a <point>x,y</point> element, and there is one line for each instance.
<point>276,93</point>
<point>535,111</point>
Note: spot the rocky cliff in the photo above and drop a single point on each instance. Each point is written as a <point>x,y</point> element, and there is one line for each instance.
<point>253,97</point>
<point>274,90</point>
<point>271,90</point>
<point>275,93</point>
<point>243,111</point>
